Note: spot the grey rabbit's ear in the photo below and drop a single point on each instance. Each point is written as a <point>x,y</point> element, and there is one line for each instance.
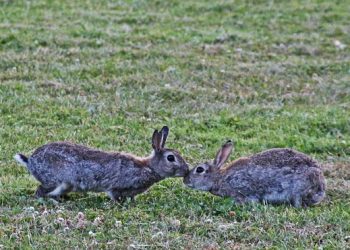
<point>223,154</point>
<point>164,134</point>
<point>156,140</point>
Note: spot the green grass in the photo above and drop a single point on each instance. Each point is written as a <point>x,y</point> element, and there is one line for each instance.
<point>106,74</point>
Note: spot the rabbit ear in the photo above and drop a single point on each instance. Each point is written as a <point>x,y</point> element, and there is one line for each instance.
<point>164,133</point>
<point>223,154</point>
<point>156,140</point>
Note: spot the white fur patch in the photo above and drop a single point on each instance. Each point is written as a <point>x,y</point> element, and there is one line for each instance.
<point>19,159</point>
<point>59,190</point>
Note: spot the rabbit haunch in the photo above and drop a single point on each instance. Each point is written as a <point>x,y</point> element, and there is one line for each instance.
<point>62,167</point>
<point>274,176</point>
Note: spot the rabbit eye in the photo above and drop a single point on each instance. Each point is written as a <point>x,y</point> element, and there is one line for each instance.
<point>171,158</point>
<point>200,170</point>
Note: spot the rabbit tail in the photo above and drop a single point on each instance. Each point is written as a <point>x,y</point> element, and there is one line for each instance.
<point>22,159</point>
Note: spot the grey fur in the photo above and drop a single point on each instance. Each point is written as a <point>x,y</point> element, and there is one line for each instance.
<point>276,176</point>
<point>62,167</point>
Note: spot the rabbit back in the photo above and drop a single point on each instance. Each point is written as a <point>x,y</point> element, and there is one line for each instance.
<point>281,157</point>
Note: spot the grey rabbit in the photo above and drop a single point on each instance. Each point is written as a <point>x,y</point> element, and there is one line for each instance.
<point>62,167</point>
<point>275,176</point>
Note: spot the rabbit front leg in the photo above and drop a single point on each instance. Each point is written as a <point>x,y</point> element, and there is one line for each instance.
<point>296,201</point>
<point>121,195</point>
<point>241,197</point>
<point>252,199</point>
<point>133,192</point>
<point>115,195</point>
<point>246,200</point>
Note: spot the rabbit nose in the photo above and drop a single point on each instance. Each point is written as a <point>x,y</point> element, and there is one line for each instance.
<point>187,174</point>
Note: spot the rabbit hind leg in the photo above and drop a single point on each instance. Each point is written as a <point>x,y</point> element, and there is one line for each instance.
<point>60,190</point>
<point>42,191</point>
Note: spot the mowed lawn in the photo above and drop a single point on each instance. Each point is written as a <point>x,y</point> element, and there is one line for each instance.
<point>106,74</point>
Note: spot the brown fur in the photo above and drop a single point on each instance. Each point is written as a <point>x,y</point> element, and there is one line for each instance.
<point>241,162</point>
<point>140,161</point>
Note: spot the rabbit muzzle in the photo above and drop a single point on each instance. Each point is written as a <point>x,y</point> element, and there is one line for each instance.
<point>181,173</point>
<point>187,181</point>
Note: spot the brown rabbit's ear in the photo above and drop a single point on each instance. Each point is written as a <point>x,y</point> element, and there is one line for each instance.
<point>164,134</point>
<point>223,154</point>
<point>156,140</point>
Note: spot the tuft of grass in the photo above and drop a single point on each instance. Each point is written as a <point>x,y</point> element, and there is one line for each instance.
<point>105,74</point>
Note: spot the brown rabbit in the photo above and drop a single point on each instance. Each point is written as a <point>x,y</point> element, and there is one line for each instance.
<point>62,167</point>
<point>275,176</point>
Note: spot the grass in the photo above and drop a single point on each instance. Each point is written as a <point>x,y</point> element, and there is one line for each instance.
<point>105,74</point>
